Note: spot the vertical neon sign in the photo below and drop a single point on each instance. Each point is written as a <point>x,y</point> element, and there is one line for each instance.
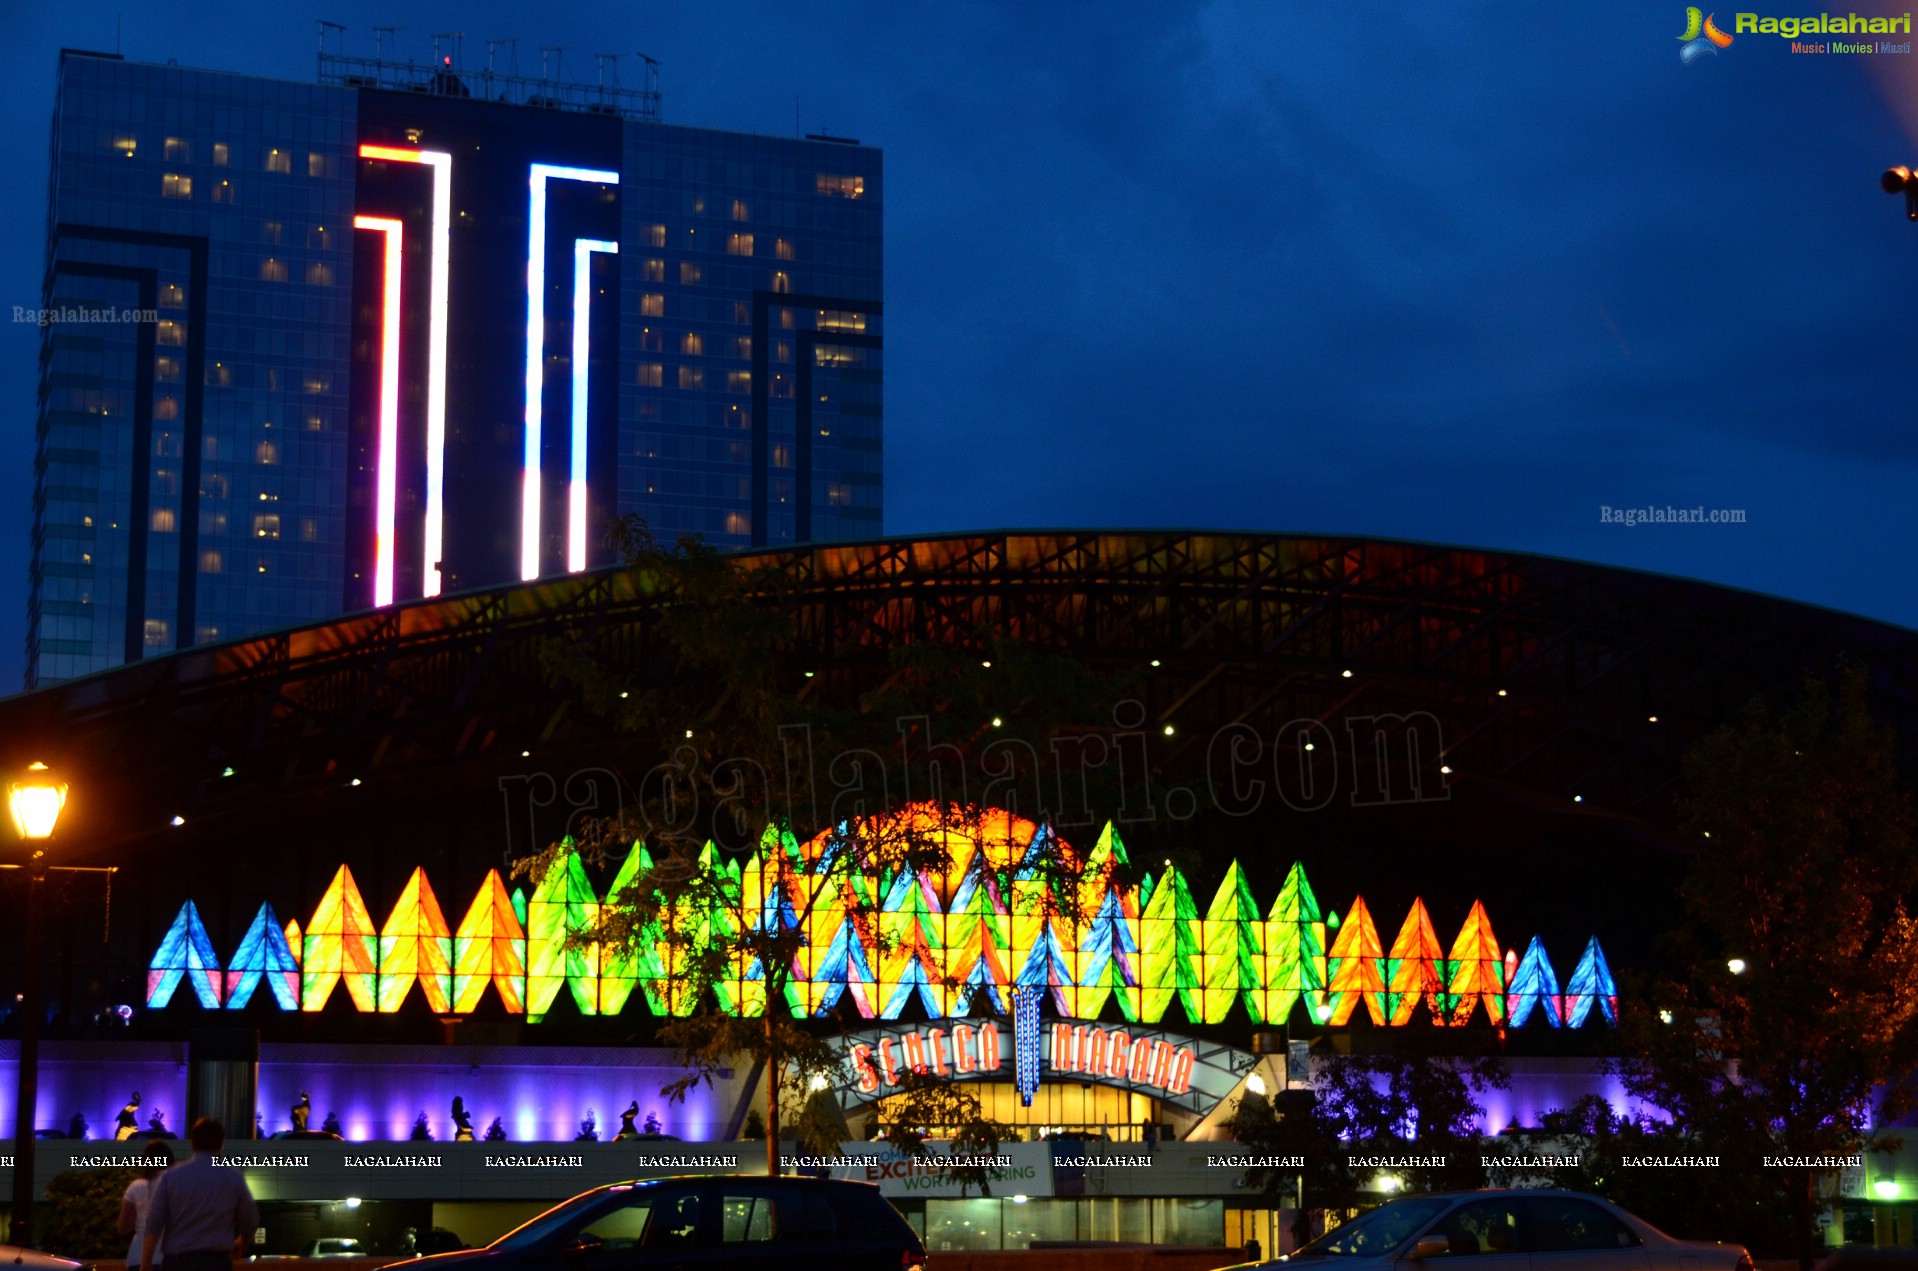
<point>583,249</point>
<point>440,251</point>
<point>387,473</point>
<point>536,365</point>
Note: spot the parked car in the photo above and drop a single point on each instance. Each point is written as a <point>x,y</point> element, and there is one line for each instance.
<point>34,1260</point>
<point>794,1224</point>
<point>1511,1231</point>
<point>334,1247</point>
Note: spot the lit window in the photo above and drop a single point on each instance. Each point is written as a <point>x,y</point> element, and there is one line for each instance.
<point>742,313</point>
<point>279,161</point>
<point>739,210</point>
<point>176,150</point>
<point>782,351</point>
<point>265,525</point>
<point>220,154</point>
<point>739,244</point>
<point>268,454</point>
<point>309,530</point>
<point>739,381</point>
<point>840,187</point>
<point>315,164</point>
<point>315,384</point>
<point>163,521</point>
<point>743,348</point>
<point>838,494</point>
<point>174,186</point>
<point>126,145</point>
<point>656,235</point>
<point>319,274</point>
<point>834,320</point>
<point>649,341</point>
<point>782,456</point>
<point>691,377</point>
<point>692,344</point>
<point>655,270</point>
<point>652,305</point>
<point>272,269</point>
<point>652,375</point>
<point>172,297</point>
<point>223,192</point>
<point>738,523</point>
<point>317,236</point>
<point>215,522</point>
<point>210,447</point>
<point>212,562</point>
<point>316,423</point>
<point>208,635</point>
<point>166,369</point>
<point>272,232</point>
<point>166,408</point>
<point>781,283</point>
<point>219,375</point>
<point>214,487</point>
<point>689,273</point>
<point>166,331</point>
<point>156,633</point>
<point>786,320</point>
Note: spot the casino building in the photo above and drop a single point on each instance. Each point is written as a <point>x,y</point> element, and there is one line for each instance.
<point>313,348</point>
<point>1437,790</point>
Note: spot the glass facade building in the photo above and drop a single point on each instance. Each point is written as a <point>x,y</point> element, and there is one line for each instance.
<point>316,348</point>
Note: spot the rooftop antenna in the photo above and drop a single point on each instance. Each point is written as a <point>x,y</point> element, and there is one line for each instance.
<point>326,26</point>
<point>652,73</point>
<point>604,60</point>
<point>439,55</point>
<point>379,39</point>
<point>559,53</point>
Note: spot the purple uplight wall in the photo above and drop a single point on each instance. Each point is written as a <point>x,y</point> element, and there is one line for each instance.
<point>540,1095</point>
<point>95,1080</point>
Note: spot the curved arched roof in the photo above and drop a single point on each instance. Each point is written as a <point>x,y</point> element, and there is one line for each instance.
<point>1544,674</point>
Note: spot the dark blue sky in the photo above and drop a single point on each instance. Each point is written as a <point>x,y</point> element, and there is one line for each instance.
<point>1462,274</point>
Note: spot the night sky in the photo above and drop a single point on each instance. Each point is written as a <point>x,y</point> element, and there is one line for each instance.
<point>1464,273</point>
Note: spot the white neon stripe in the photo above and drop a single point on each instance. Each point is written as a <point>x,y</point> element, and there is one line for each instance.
<point>387,479</point>
<point>583,249</point>
<point>438,317</point>
<point>536,347</point>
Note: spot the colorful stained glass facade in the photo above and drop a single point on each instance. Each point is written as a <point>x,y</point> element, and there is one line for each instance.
<point>940,942</point>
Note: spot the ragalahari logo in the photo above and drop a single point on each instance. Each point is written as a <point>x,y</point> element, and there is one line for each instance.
<point>1701,36</point>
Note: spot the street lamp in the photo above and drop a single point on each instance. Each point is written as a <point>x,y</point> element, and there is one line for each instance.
<point>1899,180</point>
<point>35,800</point>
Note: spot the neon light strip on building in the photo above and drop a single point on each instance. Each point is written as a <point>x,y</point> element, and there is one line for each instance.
<point>956,941</point>
<point>386,480</point>
<point>583,249</point>
<point>536,348</point>
<point>440,251</point>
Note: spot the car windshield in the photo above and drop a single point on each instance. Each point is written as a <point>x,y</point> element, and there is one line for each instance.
<point>1377,1233</point>
<point>572,1213</point>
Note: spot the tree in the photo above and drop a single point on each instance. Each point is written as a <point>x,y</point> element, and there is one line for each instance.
<point>1418,1105</point>
<point>719,911</point>
<point>1799,1006</point>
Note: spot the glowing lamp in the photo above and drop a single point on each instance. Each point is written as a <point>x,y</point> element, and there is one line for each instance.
<point>1887,1189</point>
<point>1255,1084</point>
<point>1736,966</point>
<point>36,801</point>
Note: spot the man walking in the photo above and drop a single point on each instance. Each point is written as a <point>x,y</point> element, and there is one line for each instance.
<point>200,1215</point>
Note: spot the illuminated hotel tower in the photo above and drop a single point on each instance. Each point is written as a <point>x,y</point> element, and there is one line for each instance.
<point>317,348</point>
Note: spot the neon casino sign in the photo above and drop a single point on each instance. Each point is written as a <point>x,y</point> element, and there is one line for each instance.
<point>1181,1070</point>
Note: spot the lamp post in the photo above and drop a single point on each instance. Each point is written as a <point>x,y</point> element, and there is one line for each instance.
<point>35,800</point>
